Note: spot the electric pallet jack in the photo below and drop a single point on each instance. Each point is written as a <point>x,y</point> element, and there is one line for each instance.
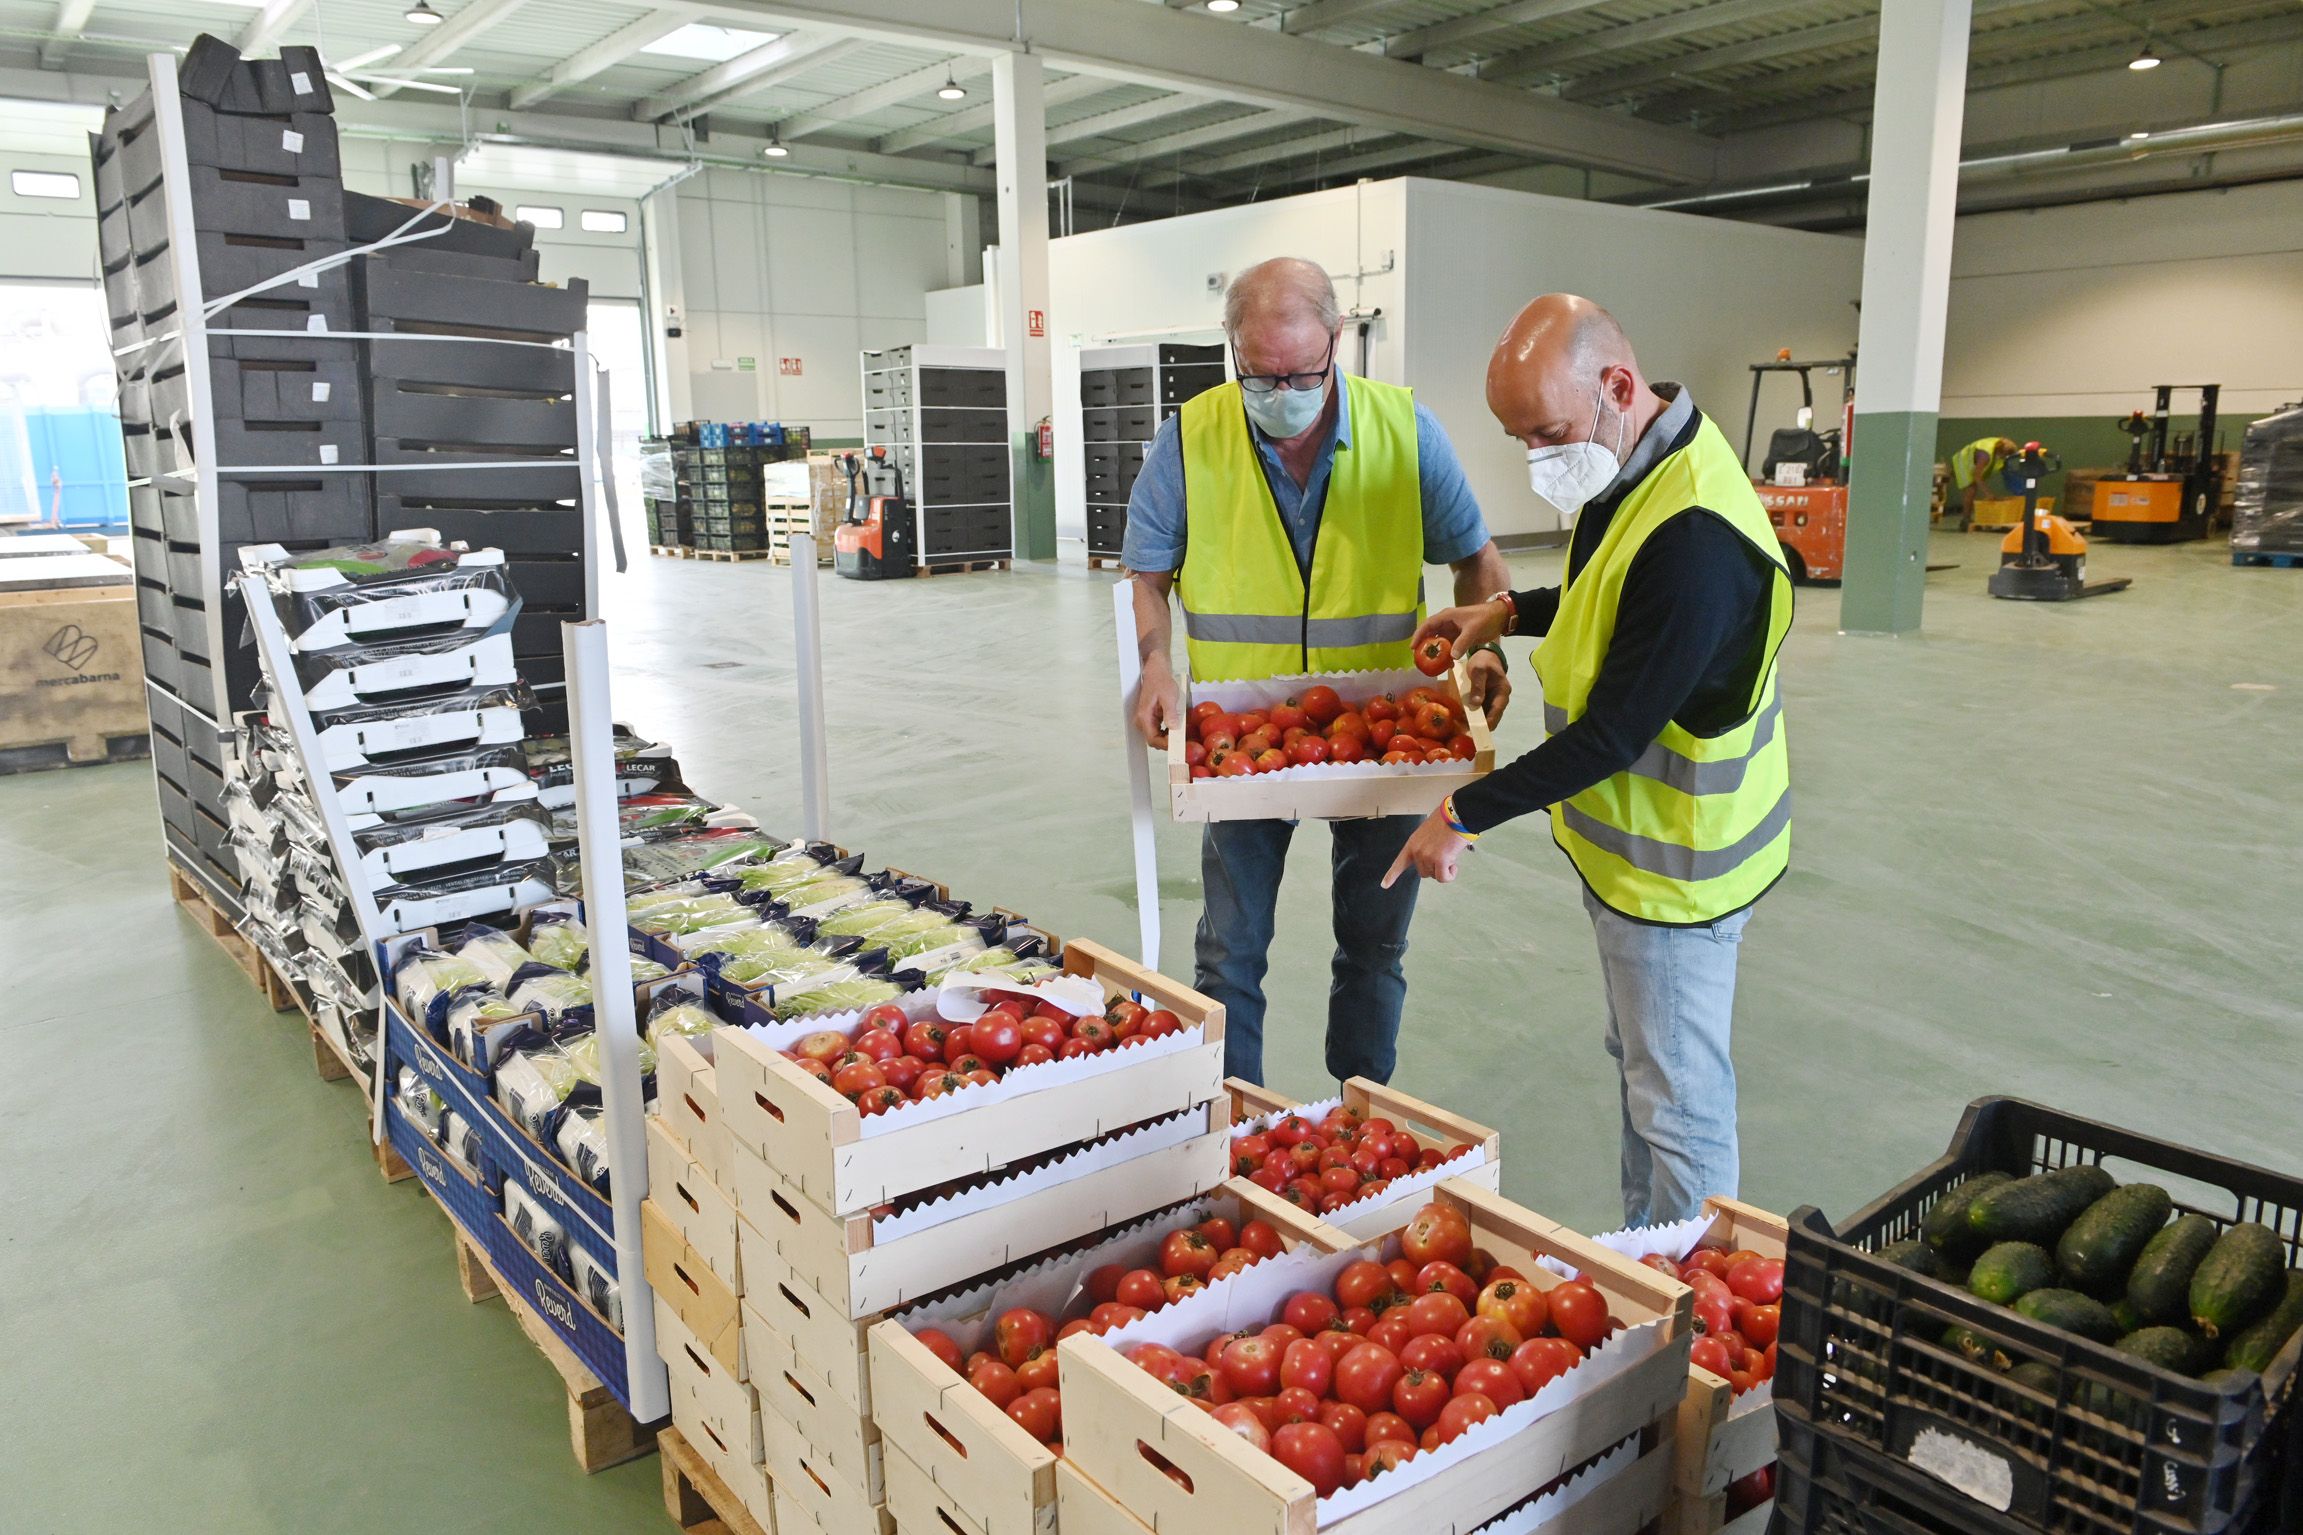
<point>874,541</point>
<point>2043,558</point>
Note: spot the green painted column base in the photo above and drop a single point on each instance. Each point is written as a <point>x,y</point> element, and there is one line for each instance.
<point>1889,486</point>
<point>1035,504</point>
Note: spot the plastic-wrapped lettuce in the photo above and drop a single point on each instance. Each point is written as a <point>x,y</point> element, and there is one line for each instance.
<point>695,914</point>
<point>531,1083</point>
<point>783,967</point>
<point>550,992</point>
<point>559,944</point>
<point>919,933</point>
<point>643,970</point>
<point>836,997</point>
<point>427,973</point>
<point>677,1017</point>
<point>866,917</point>
<point>670,895</point>
<point>792,866</point>
<point>420,1103</point>
<point>470,1012</point>
<point>1001,961</point>
<point>583,1144</point>
<point>494,953</point>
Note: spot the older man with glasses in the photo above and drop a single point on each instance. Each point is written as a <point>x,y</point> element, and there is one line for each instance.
<point>1291,512</point>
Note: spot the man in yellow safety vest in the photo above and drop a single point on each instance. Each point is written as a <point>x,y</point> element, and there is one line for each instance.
<point>1665,768</point>
<point>1291,512</point>
<point>1976,472</point>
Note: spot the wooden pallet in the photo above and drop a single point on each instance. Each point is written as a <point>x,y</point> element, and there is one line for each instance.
<point>333,1066</point>
<point>729,556</point>
<point>960,567</point>
<point>672,551</point>
<point>782,555</point>
<point>193,898</point>
<point>1105,562</point>
<point>2273,558</point>
<point>600,1431</point>
<point>695,1496</point>
<point>75,751</point>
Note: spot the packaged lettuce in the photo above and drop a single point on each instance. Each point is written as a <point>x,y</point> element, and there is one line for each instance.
<point>560,944</point>
<point>696,914</point>
<point>783,968</point>
<point>836,997</point>
<point>1001,961</point>
<point>427,973</point>
<point>866,917</point>
<point>550,992</point>
<point>470,1012</point>
<point>494,953</point>
<point>677,1017</point>
<point>531,1083</point>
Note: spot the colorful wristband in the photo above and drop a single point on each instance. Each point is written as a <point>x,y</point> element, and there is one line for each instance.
<point>1455,822</point>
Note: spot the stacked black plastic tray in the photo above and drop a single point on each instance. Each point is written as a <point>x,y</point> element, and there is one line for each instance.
<point>462,429</point>
<point>262,195</point>
<point>941,413</point>
<point>402,655</point>
<point>1125,393</point>
<point>722,501</point>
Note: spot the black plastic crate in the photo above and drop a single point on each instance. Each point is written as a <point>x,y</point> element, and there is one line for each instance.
<point>1177,385</point>
<point>214,72</point>
<point>408,301</point>
<point>368,219</point>
<point>419,366</point>
<point>2121,1447</point>
<point>516,478</point>
<point>516,530</point>
<point>534,428</point>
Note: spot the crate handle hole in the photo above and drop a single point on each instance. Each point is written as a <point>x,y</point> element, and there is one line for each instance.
<point>786,1206</point>
<point>698,1358</point>
<point>773,1112</point>
<point>806,1395</point>
<point>945,1434</point>
<point>822,1486</point>
<point>687,1198</point>
<point>722,1444</point>
<point>952,1524</point>
<point>1174,1472</point>
<point>798,1305</point>
<point>695,1108</point>
<point>684,1279</point>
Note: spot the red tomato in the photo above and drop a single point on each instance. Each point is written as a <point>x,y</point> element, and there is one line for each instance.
<point>1441,1356</point>
<point>1311,1451</point>
<point>925,1040</point>
<point>1483,1337</point>
<point>1434,655</point>
<point>1347,749</point>
<point>1516,1303</point>
<point>1436,1232</point>
<point>1308,751</point>
<point>1437,1312</point>
<point>1251,1366</point>
<point>1186,1252</point>
<point>1112,1315</point>
<point>1539,1361</point>
<point>1044,1032</point>
<point>854,1081</point>
<point>1140,1288</point>
<point>1261,1238</point>
<point>1308,1311</point>
<point>1039,1370</point>
<point>1241,1419</point>
<point>959,1040</point>
<point>1038,1412</point>
<point>813,1068</point>
<point>1746,1373</point>
<point>1034,1054</point>
<point>1019,1334</point>
<point>1230,1263</point>
<point>1446,1276</point>
<point>1418,1396</point>
<point>1185,1377</point>
<point>1491,1378</point>
<point>1707,1259</point>
<point>1579,1313</point>
<point>1362,1283</point>
<point>939,1343</point>
<point>1365,1376</point>
<point>1758,1280</point>
<point>1391,1330</point>
<point>1347,1423</point>
<point>879,1044</point>
<point>1096,1033</point>
<point>1293,1404</point>
<point>1760,1325</point>
<point>1714,1310</point>
<point>1389,1425</point>
<point>1382,707</point>
<point>997,1038</point>
<point>996,1381</point>
<point>1711,1354</point>
<point>1385,1454</point>
<point>1310,1364</point>
<point>1746,1493</point>
<point>1356,1319</point>
<point>903,1071</point>
<point>878,1100</point>
<point>934,1084</point>
<point>1461,1413</point>
<point>1177,1286</point>
<point>1320,704</point>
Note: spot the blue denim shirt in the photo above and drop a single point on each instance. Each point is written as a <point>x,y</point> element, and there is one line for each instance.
<point>1453,528</point>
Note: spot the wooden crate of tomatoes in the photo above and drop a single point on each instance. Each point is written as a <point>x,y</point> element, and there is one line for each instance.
<point>1354,1159</point>
<point>1430,1381</point>
<point>1308,747</point>
<point>1732,1259</point>
<point>964,1387</point>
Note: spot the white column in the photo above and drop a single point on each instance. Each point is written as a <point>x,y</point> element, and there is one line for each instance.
<point>1915,121</point>
<point>667,304</point>
<point>1020,141</point>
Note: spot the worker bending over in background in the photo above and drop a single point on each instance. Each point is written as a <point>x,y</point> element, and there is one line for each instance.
<point>1665,770</point>
<point>1292,512</point>
<point>1977,470</point>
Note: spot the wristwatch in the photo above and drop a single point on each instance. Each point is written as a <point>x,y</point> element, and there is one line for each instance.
<point>1510,611</point>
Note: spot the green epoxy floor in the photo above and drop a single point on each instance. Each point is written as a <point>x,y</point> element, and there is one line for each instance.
<point>2048,851</point>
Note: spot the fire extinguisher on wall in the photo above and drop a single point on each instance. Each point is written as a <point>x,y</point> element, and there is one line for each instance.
<point>1044,440</point>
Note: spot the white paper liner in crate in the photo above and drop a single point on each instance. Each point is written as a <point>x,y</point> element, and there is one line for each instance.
<point>1019,1082</point>
<point>1551,1505</point>
<point>1254,1295</point>
<point>1419,1182</point>
<point>1355,687</point>
<point>1050,1285</point>
<point>1159,1135</point>
<point>1675,1240</point>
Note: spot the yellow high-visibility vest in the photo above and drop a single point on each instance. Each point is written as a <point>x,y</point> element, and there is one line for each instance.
<point>1965,471</point>
<point>1699,826</point>
<point>1247,610</point>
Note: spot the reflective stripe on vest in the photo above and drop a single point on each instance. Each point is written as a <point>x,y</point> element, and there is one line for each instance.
<point>1697,826</point>
<point>1248,610</point>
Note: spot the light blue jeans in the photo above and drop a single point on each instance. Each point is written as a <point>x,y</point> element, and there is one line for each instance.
<point>1670,1001</point>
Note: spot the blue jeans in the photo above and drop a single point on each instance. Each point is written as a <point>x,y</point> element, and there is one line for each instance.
<point>1670,998</point>
<point>1240,867</point>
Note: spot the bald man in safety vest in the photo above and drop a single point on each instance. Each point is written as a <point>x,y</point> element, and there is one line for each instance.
<point>1291,512</point>
<point>1978,470</point>
<point>1665,771</point>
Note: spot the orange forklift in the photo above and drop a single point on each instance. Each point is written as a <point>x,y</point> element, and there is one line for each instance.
<point>2167,494</point>
<point>1810,516</point>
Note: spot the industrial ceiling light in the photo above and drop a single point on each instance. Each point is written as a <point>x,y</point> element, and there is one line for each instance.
<point>1222,7</point>
<point>421,14</point>
<point>2144,60</point>
<point>774,148</point>
<point>2140,133</point>
<point>951,89</point>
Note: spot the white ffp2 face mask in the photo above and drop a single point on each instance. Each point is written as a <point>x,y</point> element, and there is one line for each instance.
<point>1566,475</point>
<point>1284,413</point>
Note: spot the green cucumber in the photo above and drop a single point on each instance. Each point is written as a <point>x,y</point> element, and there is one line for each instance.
<point>2038,1208</point>
<point>1915,1255</point>
<point>2239,1279</point>
<point>1945,1225</point>
<point>2071,1311</point>
<point>2011,1270</point>
<point>2170,1348</point>
<point>2255,1347</point>
<point>2099,1249</point>
<point>2129,1319</point>
<point>2160,1287</point>
<point>2042,1378</point>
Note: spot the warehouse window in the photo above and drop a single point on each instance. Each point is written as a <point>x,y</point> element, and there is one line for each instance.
<point>543,217</point>
<point>604,221</point>
<point>59,184</point>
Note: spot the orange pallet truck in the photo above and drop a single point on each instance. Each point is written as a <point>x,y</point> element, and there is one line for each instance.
<point>2043,558</point>
<point>874,541</point>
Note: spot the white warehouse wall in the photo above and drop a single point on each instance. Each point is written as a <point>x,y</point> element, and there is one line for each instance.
<point>1701,298</point>
<point>778,267</point>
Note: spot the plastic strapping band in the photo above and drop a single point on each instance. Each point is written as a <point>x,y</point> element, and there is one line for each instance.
<point>603,451</point>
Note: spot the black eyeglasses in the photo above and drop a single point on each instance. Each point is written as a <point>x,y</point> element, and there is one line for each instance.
<point>1265,383</point>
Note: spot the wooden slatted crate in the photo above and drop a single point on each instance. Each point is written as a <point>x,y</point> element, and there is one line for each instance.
<point>1252,1105</point>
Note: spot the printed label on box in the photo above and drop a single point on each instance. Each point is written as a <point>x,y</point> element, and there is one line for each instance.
<point>316,322</point>
<point>327,453</point>
<point>320,393</point>
<point>301,83</point>
<point>292,141</point>
<point>307,279</point>
<point>299,208</point>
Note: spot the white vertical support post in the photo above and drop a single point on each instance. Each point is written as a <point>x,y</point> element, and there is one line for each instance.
<point>443,178</point>
<point>623,1105</point>
<point>588,467</point>
<point>1141,808</point>
<point>1917,110</point>
<point>808,665</point>
<point>1020,142</point>
<point>667,303</point>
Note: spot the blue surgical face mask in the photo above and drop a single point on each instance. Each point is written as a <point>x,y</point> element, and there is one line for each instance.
<point>1285,413</point>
